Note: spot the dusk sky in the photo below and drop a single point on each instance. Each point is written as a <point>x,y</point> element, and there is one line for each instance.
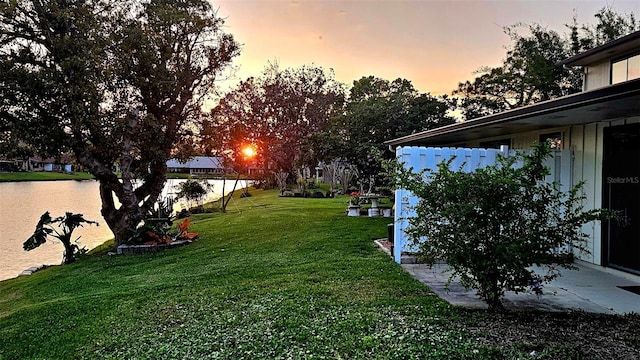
<point>436,44</point>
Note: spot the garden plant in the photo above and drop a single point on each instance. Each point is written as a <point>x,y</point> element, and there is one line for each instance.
<point>193,191</point>
<point>492,225</point>
<point>60,228</point>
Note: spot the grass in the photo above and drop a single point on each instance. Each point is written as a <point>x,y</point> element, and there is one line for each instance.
<point>273,278</point>
<point>43,176</point>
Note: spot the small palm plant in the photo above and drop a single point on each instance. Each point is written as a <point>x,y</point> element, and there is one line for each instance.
<point>66,224</point>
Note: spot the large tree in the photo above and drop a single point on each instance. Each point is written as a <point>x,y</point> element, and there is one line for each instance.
<point>115,83</point>
<point>529,74</point>
<point>273,113</point>
<point>378,110</point>
<point>609,25</point>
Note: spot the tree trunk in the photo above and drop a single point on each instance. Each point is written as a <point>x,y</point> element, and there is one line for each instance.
<point>226,202</point>
<point>122,225</point>
<point>495,305</point>
<point>69,250</point>
<point>124,220</point>
<point>135,199</point>
<point>494,294</point>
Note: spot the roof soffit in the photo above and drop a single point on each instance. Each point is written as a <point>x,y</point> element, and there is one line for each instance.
<point>604,104</point>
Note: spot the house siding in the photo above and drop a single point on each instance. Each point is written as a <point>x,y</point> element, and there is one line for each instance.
<point>521,141</point>
<point>587,147</point>
<point>526,140</point>
<point>597,75</point>
<point>197,166</point>
<point>578,145</point>
<point>589,170</point>
<point>585,143</point>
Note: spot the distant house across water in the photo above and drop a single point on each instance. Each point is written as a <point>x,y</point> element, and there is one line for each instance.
<point>7,166</point>
<point>36,163</point>
<point>199,165</point>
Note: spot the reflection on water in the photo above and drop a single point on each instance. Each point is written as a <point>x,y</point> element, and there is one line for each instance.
<point>22,204</point>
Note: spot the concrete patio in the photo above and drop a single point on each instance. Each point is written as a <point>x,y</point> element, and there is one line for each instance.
<point>591,289</point>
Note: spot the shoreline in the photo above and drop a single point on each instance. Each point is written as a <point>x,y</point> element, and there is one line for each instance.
<point>84,176</point>
<point>43,176</point>
<point>35,266</point>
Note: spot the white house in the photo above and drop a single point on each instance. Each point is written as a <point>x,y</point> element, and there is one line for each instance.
<point>599,126</point>
<point>199,165</point>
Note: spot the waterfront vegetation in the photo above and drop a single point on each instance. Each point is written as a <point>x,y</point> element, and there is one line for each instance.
<point>290,278</point>
<point>43,176</point>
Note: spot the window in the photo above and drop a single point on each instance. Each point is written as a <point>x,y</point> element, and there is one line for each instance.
<point>625,69</point>
<point>555,140</point>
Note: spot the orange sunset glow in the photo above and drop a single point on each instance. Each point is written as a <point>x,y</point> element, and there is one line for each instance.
<point>434,43</point>
<point>249,151</point>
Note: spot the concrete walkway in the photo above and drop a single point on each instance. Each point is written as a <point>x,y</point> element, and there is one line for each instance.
<point>591,288</point>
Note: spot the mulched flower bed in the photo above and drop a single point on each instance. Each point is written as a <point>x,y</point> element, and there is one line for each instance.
<point>146,249</point>
<point>384,243</point>
<point>558,335</point>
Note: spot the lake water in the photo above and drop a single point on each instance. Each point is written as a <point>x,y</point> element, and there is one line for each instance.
<point>22,204</point>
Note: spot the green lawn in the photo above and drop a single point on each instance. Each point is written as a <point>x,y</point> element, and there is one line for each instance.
<point>43,176</point>
<point>274,278</point>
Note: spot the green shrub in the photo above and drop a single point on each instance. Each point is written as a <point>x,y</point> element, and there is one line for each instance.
<point>492,225</point>
<point>192,190</point>
<point>317,194</point>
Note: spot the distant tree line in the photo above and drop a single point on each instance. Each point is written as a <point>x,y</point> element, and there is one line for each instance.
<point>297,118</point>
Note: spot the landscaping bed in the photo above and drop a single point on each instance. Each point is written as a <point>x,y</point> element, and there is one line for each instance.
<point>150,248</point>
<point>553,335</point>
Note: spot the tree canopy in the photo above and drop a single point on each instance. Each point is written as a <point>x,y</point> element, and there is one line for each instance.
<point>115,83</point>
<point>609,25</point>
<point>274,113</point>
<point>378,110</point>
<point>529,71</point>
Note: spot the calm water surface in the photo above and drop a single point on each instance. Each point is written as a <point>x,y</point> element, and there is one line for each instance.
<point>22,204</point>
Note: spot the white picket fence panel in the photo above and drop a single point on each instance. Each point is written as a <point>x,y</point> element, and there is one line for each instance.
<point>465,159</point>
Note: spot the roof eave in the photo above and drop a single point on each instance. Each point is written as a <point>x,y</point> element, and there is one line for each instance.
<point>613,48</point>
<point>625,89</point>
